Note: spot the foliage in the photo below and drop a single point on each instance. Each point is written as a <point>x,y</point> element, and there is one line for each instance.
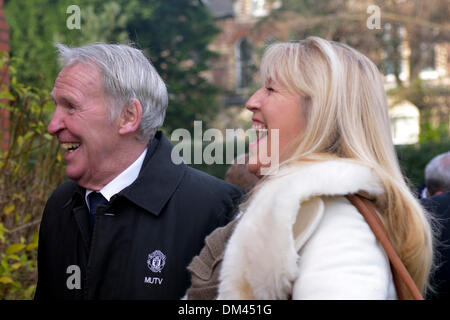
<point>415,93</point>
<point>100,21</point>
<point>32,27</point>
<point>174,33</point>
<point>96,24</point>
<point>430,134</point>
<point>29,169</point>
<point>414,158</point>
<point>36,25</point>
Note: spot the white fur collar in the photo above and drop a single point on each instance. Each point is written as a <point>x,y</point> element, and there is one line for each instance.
<point>260,261</point>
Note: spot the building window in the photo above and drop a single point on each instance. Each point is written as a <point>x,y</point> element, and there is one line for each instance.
<point>258,8</point>
<point>244,63</point>
<point>405,123</point>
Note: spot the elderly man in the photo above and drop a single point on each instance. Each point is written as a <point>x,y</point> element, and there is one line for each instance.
<point>130,221</point>
<point>437,180</point>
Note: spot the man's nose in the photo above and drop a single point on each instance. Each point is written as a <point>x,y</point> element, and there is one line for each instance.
<point>57,122</point>
<point>254,102</point>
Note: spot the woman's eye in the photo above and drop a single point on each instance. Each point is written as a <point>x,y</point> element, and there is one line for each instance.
<point>270,89</point>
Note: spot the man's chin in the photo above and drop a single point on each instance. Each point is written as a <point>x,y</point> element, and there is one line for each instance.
<point>73,174</point>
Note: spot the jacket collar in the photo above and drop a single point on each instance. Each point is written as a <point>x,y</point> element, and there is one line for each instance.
<point>157,181</point>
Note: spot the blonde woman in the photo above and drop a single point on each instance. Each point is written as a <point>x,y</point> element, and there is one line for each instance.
<point>297,236</point>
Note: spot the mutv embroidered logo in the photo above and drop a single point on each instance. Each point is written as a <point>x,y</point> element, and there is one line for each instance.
<point>155,262</point>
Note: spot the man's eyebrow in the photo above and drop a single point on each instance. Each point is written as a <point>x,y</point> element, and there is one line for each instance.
<point>67,99</point>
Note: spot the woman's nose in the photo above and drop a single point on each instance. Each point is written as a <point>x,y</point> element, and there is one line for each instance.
<point>254,102</point>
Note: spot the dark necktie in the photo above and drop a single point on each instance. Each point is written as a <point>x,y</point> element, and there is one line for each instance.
<point>95,199</point>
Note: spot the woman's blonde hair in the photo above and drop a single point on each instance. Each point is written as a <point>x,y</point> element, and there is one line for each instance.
<point>346,115</point>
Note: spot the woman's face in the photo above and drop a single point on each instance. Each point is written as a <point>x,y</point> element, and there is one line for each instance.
<point>273,107</point>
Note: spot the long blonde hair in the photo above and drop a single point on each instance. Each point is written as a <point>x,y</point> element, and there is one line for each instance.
<point>346,115</point>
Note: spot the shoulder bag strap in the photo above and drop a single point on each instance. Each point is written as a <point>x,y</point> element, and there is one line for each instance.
<point>400,273</point>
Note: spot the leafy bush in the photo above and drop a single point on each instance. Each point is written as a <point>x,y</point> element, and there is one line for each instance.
<point>414,158</point>
<point>29,169</point>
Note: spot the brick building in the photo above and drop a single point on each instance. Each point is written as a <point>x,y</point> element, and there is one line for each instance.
<point>239,45</point>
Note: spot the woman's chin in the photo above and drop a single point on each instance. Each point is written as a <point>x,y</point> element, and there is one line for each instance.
<point>253,163</point>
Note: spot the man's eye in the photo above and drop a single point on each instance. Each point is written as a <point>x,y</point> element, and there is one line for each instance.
<point>270,89</point>
<point>71,108</point>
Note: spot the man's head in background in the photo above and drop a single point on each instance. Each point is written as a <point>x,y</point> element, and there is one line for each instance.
<point>239,175</point>
<point>437,174</point>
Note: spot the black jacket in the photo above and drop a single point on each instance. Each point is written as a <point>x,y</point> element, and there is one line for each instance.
<point>143,239</point>
<point>440,206</point>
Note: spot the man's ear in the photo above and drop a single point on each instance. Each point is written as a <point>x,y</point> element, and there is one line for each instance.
<point>130,118</point>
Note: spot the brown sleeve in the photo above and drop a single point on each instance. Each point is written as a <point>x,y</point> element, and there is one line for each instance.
<point>205,267</point>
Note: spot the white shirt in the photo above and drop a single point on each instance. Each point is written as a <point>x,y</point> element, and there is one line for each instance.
<point>123,180</point>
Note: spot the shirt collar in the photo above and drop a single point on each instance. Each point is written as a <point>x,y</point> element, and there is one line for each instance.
<point>123,180</point>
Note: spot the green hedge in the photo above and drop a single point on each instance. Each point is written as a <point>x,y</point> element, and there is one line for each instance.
<point>30,169</point>
<point>414,158</point>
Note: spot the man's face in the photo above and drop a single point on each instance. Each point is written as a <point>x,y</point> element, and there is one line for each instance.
<point>82,125</point>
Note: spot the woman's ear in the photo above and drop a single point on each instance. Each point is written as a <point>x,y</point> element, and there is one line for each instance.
<point>131,117</point>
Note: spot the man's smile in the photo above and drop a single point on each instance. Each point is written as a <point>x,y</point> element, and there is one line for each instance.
<point>70,146</point>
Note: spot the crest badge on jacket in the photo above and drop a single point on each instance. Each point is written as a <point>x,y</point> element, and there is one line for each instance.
<point>156,261</point>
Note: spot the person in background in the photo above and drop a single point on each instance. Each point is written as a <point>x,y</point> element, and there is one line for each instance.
<point>129,221</point>
<point>437,175</point>
<point>422,191</point>
<point>238,174</point>
<point>437,180</point>
<point>323,106</point>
